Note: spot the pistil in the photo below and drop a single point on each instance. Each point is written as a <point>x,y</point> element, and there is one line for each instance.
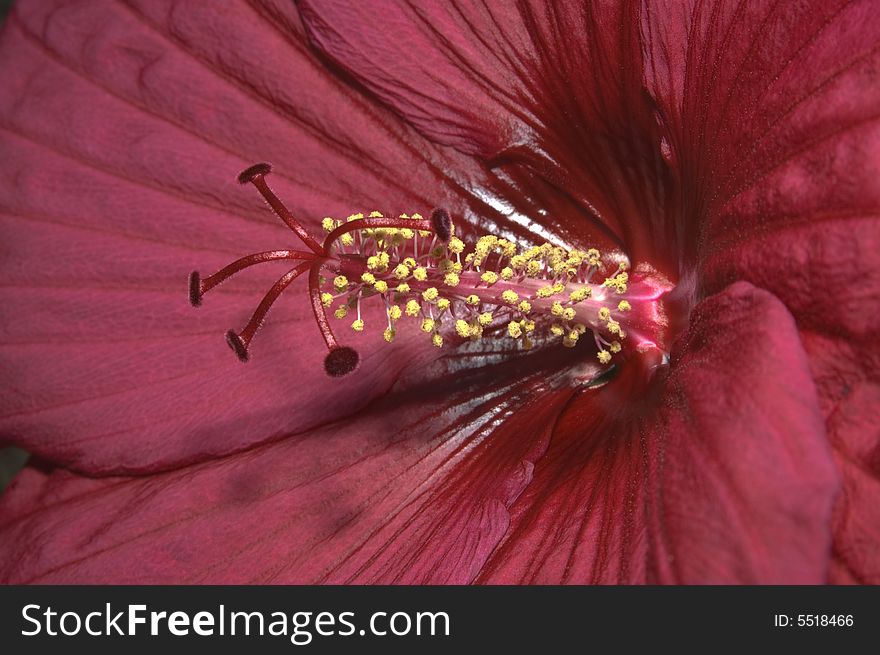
<point>418,269</point>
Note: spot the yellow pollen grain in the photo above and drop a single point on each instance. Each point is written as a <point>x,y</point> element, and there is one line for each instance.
<point>557,330</point>
<point>355,217</point>
<point>624,306</point>
<point>341,311</point>
<point>581,294</point>
<point>388,334</point>
<point>485,318</point>
<point>510,297</point>
<point>514,329</point>
<point>407,233</point>
<point>347,239</point>
<point>614,347</point>
<point>340,283</point>
<point>489,277</point>
<point>456,245</point>
<point>403,287</point>
<point>368,278</point>
<point>328,224</point>
<point>473,300</point>
<point>506,273</point>
<point>381,286</point>
<point>326,299</point>
<point>437,340</point>
<point>528,326</point>
<point>375,214</point>
<point>525,307</point>
<point>462,328</point>
<point>401,271</point>
<point>394,312</point>
<point>604,356</point>
<point>358,325</point>
<point>533,268</point>
<point>420,273</point>
<point>451,279</point>
<point>430,294</point>
<point>604,313</point>
<point>573,335</point>
<point>442,303</point>
<point>613,327</point>
<point>427,325</point>
<point>413,308</point>
<point>556,308</point>
<point>567,314</point>
<point>409,262</point>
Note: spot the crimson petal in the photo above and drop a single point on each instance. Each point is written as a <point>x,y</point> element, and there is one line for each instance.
<point>723,479</point>
<point>413,490</point>
<point>118,180</point>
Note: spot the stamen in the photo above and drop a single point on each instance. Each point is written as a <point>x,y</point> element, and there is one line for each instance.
<point>374,223</point>
<point>418,269</point>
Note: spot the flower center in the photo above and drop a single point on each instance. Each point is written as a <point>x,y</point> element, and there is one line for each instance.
<point>421,272</point>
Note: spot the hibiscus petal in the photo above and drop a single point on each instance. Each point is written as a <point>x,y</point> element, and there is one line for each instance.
<point>846,374</point>
<point>549,94</point>
<point>122,129</point>
<point>770,120</point>
<point>724,479</point>
<point>413,490</point>
<point>780,134</point>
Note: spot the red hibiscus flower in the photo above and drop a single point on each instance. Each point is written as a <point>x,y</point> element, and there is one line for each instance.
<point>728,149</point>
